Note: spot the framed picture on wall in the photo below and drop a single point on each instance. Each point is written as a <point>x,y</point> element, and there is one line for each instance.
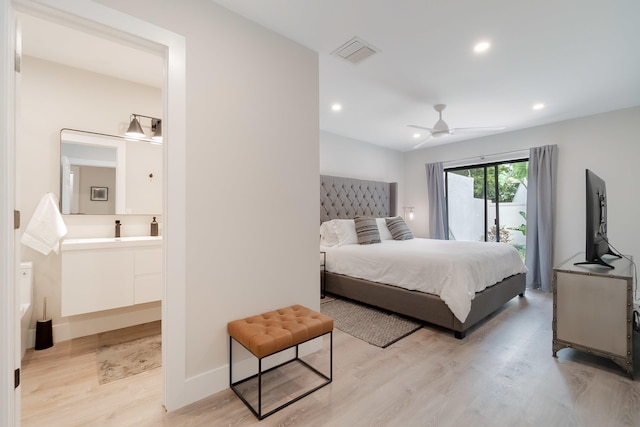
<point>100,194</point>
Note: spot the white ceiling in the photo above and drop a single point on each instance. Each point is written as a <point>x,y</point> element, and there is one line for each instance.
<point>578,57</point>
<point>75,47</point>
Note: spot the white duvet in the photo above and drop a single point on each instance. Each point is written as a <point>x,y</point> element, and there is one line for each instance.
<point>454,270</point>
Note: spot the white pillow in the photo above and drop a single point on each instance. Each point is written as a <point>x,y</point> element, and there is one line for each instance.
<point>346,231</point>
<point>385,234</point>
<point>328,235</point>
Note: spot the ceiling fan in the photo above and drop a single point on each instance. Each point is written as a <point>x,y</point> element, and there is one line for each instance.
<point>441,128</point>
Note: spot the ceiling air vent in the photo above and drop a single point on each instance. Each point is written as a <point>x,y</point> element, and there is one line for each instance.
<point>355,51</point>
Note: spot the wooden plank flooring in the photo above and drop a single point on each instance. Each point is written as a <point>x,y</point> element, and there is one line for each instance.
<point>501,374</point>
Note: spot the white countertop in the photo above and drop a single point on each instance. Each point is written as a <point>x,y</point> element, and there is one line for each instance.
<point>110,242</point>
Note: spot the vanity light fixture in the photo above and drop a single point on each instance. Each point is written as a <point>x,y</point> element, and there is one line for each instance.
<point>408,213</point>
<point>135,130</point>
<point>156,128</point>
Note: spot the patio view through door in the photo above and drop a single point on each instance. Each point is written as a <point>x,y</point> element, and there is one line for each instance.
<point>488,203</point>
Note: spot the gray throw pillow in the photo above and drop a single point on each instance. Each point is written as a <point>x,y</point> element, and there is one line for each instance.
<point>398,228</point>
<point>367,230</point>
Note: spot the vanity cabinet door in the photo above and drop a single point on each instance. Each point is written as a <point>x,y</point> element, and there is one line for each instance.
<point>148,275</point>
<point>94,280</point>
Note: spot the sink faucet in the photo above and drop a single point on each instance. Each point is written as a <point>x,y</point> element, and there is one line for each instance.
<point>117,228</point>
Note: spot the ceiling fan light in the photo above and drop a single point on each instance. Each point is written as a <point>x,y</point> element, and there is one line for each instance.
<point>135,130</point>
<point>441,126</point>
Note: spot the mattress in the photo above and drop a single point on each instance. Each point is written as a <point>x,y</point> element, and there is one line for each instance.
<point>453,270</point>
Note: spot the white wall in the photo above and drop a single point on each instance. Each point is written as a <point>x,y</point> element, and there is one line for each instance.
<point>144,177</point>
<point>52,97</point>
<point>605,143</point>
<point>252,159</point>
<point>342,156</point>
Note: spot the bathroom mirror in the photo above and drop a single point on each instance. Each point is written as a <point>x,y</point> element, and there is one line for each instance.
<point>108,174</point>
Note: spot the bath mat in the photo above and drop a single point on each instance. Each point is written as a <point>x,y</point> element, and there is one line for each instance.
<point>129,358</point>
<point>377,327</point>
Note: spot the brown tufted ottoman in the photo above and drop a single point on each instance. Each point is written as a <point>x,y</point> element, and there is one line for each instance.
<point>269,334</point>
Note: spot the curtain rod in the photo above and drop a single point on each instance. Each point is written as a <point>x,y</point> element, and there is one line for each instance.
<point>489,157</point>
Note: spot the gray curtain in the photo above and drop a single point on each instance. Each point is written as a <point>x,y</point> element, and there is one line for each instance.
<point>541,206</point>
<point>437,205</point>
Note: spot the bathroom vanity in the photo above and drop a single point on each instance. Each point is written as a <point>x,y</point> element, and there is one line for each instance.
<point>107,273</point>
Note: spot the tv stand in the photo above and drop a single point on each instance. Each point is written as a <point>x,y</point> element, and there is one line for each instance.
<point>593,310</point>
<point>600,261</point>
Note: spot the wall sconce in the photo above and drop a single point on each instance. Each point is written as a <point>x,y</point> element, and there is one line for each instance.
<point>135,130</point>
<point>408,210</point>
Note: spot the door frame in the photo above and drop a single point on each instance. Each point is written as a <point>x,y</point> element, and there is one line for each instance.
<point>9,414</point>
<point>173,47</point>
<point>484,166</point>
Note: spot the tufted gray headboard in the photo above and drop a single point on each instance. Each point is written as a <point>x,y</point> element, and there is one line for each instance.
<point>349,197</point>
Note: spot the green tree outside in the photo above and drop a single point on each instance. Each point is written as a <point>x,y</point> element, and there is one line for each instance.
<point>510,177</point>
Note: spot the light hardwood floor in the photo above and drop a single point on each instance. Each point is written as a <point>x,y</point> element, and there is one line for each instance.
<point>501,374</point>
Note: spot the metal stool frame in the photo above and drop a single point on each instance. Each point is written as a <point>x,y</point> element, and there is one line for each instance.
<point>258,413</point>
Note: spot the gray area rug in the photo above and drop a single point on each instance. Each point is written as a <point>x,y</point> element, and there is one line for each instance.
<point>369,324</point>
<point>129,358</point>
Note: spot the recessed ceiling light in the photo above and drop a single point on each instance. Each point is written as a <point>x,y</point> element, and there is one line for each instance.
<point>336,107</point>
<point>538,106</point>
<point>481,47</point>
<point>416,135</point>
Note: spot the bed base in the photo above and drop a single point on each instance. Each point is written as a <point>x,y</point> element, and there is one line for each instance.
<point>426,307</point>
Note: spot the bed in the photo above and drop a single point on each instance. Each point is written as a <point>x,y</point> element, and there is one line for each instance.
<point>346,198</point>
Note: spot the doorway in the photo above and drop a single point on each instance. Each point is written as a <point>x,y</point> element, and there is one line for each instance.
<point>72,78</point>
<point>488,203</point>
<point>94,15</point>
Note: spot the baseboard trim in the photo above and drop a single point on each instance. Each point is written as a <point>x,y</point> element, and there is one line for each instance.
<point>216,380</point>
<point>203,385</point>
<point>84,325</point>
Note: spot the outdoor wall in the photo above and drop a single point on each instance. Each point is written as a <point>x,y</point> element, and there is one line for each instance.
<point>605,143</point>
<point>466,219</point>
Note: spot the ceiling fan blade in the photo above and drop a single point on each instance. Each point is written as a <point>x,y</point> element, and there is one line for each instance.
<point>477,130</point>
<point>420,127</point>
<point>421,143</point>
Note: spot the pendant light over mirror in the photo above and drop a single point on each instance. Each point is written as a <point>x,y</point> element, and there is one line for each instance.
<point>135,130</point>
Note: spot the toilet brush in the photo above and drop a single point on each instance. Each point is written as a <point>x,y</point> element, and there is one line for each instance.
<point>44,330</point>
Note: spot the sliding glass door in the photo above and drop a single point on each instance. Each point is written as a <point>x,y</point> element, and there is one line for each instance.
<point>488,203</point>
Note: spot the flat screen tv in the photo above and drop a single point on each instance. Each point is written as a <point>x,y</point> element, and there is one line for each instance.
<point>597,242</point>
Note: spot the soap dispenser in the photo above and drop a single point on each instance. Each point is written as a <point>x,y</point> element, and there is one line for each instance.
<point>117,228</point>
<point>154,227</point>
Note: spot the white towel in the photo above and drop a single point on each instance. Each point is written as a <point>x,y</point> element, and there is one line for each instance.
<point>46,227</point>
